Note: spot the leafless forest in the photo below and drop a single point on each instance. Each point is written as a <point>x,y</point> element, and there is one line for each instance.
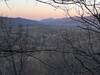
<point>26,50</point>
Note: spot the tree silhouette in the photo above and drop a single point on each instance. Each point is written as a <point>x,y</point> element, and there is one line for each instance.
<point>81,57</point>
<point>85,53</point>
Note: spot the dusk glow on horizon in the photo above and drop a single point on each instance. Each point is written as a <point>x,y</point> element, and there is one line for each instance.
<point>32,9</point>
<point>29,9</point>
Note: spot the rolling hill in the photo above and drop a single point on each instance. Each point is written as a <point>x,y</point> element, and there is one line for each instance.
<point>66,22</point>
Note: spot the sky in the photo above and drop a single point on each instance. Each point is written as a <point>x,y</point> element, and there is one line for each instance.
<point>29,9</point>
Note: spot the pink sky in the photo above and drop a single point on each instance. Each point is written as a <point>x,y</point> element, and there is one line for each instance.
<point>29,9</point>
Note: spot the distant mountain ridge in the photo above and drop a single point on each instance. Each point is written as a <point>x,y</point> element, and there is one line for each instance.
<point>44,22</point>
<point>61,21</point>
<point>21,21</point>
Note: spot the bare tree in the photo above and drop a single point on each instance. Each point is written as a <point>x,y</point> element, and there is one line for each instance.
<point>83,45</point>
<point>17,49</point>
<point>85,52</point>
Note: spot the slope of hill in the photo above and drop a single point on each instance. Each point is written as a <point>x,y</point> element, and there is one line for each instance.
<point>21,21</point>
<point>62,22</point>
